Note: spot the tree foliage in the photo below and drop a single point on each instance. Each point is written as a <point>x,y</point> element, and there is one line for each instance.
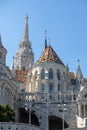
<point>6,113</point>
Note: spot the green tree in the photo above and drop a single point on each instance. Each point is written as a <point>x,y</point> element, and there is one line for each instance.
<point>6,113</point>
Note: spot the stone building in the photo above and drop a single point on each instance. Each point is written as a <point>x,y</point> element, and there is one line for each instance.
<point>8,80</point>
<point>48,89</point>
<point>49,95</point>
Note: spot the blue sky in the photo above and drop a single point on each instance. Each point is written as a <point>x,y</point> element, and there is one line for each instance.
<point>64,20</point>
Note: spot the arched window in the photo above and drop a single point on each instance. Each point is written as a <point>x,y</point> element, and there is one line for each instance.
<point>51,88</point>
<point>64,74</point>
<point>43,88</point>
<point>50,74</point>
<point>59,89</point>
<point>58,74</point>
<point>35,74</point>
<point>42,74</point>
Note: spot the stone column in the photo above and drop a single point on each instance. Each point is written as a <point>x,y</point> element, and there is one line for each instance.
<point>72,96</point>
<point>79,110</point>
<point>84,110</point>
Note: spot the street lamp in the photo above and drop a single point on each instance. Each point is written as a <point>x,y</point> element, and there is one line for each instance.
<point>28,105</point>
<point>62,108</point>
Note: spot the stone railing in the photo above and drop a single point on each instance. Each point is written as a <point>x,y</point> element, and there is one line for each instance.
<point>17,126</point>
<point>55,97</point>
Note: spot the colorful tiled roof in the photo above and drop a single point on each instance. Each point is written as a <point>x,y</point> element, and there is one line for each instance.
<point>49,55</point>
<point>21,75</point>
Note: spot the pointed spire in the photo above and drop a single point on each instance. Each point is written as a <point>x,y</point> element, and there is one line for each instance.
<point>67,66</point>
<point>79,72</point>
<point>0,40</point>
<point>49,40</point>
<point>25,36</point>
<point>45,39</point>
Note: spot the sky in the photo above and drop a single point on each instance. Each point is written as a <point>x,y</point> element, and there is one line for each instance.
<point>64,20</point>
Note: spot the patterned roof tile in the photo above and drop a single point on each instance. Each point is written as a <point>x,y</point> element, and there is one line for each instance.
<point>49,55</point>
<point>21,75</point>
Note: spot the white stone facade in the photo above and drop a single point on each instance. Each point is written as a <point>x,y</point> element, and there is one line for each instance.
<point>8,80</point>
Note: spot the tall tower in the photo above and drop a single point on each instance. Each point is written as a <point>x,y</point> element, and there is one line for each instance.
<point>25,56</point>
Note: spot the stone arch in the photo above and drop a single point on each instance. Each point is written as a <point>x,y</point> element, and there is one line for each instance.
<point>55,123</point>
<point>24,117</point>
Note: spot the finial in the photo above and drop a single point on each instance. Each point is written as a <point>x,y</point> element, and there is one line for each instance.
<point>78,60</point>
<point>45,39</point>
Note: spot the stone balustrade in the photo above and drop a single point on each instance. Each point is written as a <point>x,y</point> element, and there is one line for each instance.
<point>17,126</point>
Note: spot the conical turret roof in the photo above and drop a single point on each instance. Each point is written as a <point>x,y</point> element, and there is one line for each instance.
<point>1,45</point>
<point>49,55</point>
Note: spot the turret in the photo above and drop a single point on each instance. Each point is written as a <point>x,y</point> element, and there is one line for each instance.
<point>79,76</point>
<point>3,52</point>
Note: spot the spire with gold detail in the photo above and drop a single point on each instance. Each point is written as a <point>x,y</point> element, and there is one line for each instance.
<point>26,36</point>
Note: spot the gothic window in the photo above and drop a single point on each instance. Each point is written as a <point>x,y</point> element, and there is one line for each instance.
<point>43,88</point>
<point>58,74</point>
<point>51,88</point>
<point>50,73</point>
<point>36,75</point>
<point>59,97</point>
<point>50,97</point>
<point>64,74</point>
<point>59,88</point>
<point>42,74</point>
